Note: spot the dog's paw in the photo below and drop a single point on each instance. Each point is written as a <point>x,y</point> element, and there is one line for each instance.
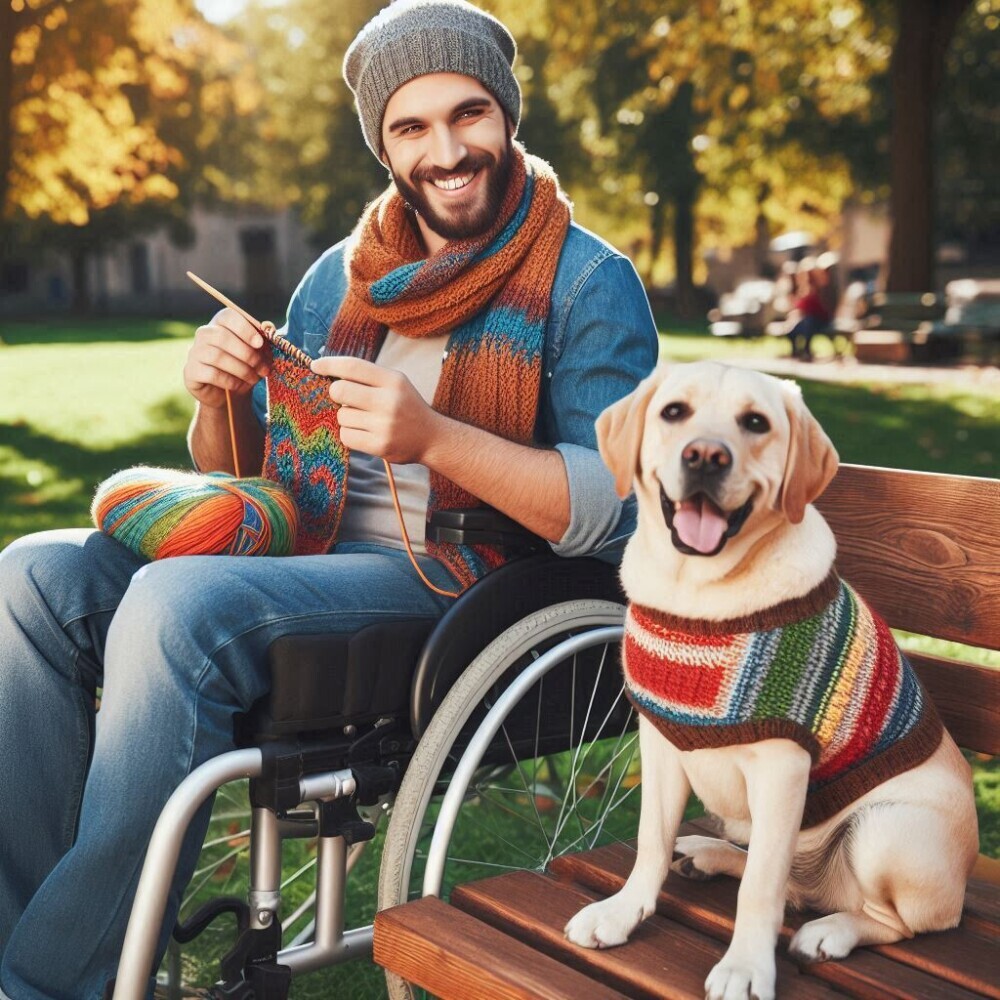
<point>829,937</point>
<point>740,979</point>
<point>705,857</point>
<point>688,867</point>
<point>605,924</point>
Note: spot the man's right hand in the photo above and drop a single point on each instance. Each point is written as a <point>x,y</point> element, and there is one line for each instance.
<point>228,353</point>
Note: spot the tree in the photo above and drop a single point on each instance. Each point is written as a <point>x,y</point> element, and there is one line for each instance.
<point>110,110</point>
<point>925,29</point>
<point>967,123</point>
<point>314,155</point>
<point>704,110</point>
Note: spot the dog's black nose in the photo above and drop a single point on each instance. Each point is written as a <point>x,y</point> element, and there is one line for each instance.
<point>707,457</point>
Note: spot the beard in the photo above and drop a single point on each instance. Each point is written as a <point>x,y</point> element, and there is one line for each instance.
<point>464,221</point>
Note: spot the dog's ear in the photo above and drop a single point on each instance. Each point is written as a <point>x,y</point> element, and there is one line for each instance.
<point>812,459</point>
<point>619,431</point>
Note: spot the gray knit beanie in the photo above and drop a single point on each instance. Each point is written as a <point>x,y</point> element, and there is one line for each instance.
<point>411,38</point>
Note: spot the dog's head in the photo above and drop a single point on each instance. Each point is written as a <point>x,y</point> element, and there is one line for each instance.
<point>719,448</point>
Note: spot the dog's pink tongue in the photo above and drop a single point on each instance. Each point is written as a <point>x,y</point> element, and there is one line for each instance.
<point>700,524</point>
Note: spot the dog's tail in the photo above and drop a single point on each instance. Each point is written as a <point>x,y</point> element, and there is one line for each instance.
<point>823,874</point>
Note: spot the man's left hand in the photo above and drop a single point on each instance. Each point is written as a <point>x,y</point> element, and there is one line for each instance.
<point>381,413</point>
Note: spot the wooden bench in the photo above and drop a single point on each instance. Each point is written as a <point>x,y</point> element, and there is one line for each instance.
<point>925,551</point>
<point>888,334</point>
<point>972,322</point>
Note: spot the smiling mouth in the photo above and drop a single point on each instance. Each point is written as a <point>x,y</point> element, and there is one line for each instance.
<point>698,527</point>
<point>454,183</point>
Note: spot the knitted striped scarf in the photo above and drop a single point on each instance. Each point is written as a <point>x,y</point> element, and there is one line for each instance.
<point>491,294</point>
<point>822,670</point>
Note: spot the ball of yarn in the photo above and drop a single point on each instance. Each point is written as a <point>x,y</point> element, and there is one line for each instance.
<point>159,513</point>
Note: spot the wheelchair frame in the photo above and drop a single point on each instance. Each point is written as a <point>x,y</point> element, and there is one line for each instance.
<point>284,775</point>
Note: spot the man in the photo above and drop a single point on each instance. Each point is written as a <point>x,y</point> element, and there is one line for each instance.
<point>474,334</point>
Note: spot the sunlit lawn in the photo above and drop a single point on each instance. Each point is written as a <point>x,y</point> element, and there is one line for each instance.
<point>80,400</point>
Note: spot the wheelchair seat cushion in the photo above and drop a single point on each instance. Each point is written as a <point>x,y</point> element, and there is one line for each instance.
<point>325,682</point>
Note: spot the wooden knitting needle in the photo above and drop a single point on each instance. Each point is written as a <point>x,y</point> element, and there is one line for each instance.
<point>266,329</point>
<point>216,294</point>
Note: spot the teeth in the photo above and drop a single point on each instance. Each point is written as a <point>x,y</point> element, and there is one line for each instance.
<point>453,183</point>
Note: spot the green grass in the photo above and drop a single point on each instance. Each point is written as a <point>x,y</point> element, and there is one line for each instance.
<point>80,400</point>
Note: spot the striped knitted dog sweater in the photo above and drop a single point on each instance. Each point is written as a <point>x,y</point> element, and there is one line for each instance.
<point>822,670</point>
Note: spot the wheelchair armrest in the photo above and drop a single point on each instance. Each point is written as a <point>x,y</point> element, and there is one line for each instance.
<point>480,526</point>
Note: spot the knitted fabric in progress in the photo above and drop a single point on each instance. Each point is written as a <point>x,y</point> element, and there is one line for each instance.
<point>491,294</point>
<point>302,449</point>
<point>822,670</point>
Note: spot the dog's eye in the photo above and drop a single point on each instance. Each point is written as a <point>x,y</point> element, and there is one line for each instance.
<point>673,412</point>
<point>756,423</point>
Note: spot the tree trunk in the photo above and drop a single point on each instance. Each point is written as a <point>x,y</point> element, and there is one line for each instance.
<point>81,281</point>
<point>657,234</point>
<point>685,185</point>
<point>762,234</point>
<point>684,254</point>
<point>926,28</point>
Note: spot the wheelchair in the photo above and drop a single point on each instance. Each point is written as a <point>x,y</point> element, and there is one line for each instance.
<point>494,738</point>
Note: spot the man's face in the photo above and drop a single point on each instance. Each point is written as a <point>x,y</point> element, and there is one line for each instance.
<point>446,142</point>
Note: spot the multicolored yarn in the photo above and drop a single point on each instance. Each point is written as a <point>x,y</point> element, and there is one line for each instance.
<point>822,670</point>
<point>159,513</point>
<point>492,294</point>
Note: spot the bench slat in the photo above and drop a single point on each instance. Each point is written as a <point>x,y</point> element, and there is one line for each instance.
<point>709,907</point>
<point>963,958</point>
<point>921,547</point>
<point>982,901</point>
<point>967,698</point>
<point>453,955</point>
<point>663,959</point>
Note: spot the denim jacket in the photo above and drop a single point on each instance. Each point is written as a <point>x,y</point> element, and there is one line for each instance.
<point>600,341</point>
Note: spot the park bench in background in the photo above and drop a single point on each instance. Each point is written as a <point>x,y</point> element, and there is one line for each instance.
<point>746,311</point>
<point>971,324</point>
<point>887,334</point>
<point>924,550</point>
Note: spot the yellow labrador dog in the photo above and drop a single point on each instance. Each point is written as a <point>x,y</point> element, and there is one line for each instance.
<point>766,685</point>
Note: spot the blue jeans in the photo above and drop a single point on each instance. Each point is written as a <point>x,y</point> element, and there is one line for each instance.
<point>178,648</point>
<point>802,333</point>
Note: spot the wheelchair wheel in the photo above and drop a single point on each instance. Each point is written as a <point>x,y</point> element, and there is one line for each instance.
<point>560,775</point>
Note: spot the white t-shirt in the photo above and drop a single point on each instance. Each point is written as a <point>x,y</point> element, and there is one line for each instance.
<point>368,514</point>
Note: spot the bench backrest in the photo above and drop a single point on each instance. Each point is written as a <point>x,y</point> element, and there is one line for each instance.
<point>924,550</point>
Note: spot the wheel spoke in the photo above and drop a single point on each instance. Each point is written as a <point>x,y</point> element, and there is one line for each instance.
<point>576,765</point>
<point>479,863</point>
<point>571,787</point>
<point>573,845</point>
<point>528,792</point>
<point>629,749</point>
<point>204,875</point>
<point>477,824</point>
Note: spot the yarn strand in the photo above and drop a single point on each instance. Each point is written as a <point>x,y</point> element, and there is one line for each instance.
<point>406,535</point>
<point>232,435</point>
